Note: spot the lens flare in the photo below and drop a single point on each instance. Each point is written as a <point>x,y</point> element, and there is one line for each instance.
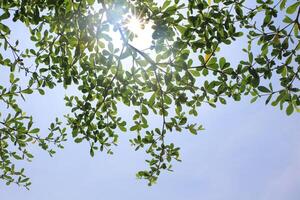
<point>134,25</point>
<point>141,29</point>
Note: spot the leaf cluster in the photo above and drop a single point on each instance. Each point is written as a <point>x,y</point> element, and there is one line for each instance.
<point>74,47</point>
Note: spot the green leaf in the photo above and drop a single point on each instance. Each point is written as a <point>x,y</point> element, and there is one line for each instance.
<point>222,100</point>
<point>166,4</point>
<point>183,121</point>
<point>290,109</point>
<point>17,157</point>
<point>35,130</point>
<point>254,99</point>
<point>91,2</point>
<point>145,110</point>
<point>152,99</point>
<point>181,29</point>
<point>27,91</point>
<point>238,10</point>
<point>268,99</point>
<point>123,128</point>
<point>287,20</point>
<point>282,4</point>
<point>167,99</point>
<point>41,91</point>
<point>292,8</point>
<point>250,55</point>
<point>5,15</point>
<point>192,129</point>
<point>255,78</point>
<point>11,77</point>
<point>78,140</point>
<point>195,73</point>
<point>263,89</point>
<point>222,62</point>
<point>92,152</point>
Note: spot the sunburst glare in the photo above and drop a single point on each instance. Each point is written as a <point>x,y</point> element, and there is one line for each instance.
<point>141,30</point>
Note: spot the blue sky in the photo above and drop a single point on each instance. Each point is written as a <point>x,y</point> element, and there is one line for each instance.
<point>248,151</point>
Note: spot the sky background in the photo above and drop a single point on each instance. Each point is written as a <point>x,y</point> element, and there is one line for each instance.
<point>248,151</point>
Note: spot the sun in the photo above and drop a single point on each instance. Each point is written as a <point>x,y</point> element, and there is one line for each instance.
<point>141,29</point>
<point>138,34</point>
<point>134,24</point>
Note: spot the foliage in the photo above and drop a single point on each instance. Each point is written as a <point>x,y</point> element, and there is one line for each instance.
<point>73,46</point>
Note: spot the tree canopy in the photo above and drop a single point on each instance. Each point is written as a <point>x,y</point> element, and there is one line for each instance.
<point>73,46</point>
